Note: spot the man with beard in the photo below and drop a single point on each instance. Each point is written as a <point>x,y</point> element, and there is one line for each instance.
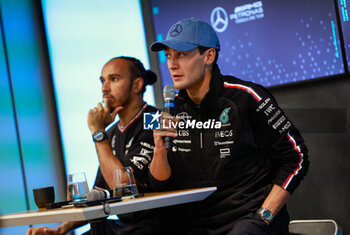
<point>124,144</point>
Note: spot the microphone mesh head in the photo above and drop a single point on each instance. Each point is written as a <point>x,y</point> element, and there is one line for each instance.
<point>95,195</point>
<point>169,93</point>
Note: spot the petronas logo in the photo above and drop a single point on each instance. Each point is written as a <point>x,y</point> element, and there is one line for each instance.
<point>224,116</point>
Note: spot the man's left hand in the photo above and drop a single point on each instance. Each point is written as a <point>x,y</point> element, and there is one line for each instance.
<point>100,117</point>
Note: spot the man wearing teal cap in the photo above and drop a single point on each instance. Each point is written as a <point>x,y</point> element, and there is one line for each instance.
<point>253,154</point>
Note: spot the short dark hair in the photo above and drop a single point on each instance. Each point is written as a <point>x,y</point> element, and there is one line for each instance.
<point>138,70</point>
<point>204,49</point>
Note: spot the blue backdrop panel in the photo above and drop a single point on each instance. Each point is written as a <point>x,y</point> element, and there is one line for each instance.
<point>12,193</point>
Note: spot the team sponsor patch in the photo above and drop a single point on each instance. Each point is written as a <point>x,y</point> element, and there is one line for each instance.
<point>224,152</point>
<point>146,152</point>
<point>183,132</point>
<point>274,116</point>
<point>113,144</point>
<point>224,115</point>
<point>139,162</point>
<point>226,124</point>
<point>223,134</point>
<point>176,141</point>
<point>218,143</point>
<point>177,149</point>
<point>183,116</point>
<point>128,145</point>
<point>147,145</point>
<point>113,141</point>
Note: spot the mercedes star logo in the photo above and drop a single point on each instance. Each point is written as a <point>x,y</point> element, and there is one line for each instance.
<point>176,30</point>
<point>219,19</point>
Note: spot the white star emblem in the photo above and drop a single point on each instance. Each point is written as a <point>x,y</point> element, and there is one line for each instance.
<point>155,116</point>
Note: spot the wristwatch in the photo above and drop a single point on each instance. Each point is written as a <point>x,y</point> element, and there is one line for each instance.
<point>99,136</point>
<point>266,215</point>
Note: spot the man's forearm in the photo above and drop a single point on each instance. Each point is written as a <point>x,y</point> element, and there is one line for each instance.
<point>65,227</point>
<point>108,161</point>
<point>276,199</point>
<point>160,168</point>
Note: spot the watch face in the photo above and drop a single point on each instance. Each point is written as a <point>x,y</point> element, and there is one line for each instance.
<point>99,136</point>
<point>267,214</point>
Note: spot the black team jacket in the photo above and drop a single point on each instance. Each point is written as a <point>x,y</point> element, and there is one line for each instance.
<point>239,140</point>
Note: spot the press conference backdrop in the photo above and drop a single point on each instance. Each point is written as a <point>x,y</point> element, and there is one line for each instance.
<point>268,42</point>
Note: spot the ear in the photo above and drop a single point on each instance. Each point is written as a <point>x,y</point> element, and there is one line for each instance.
<point>137,85</point>
<point>210,55</point>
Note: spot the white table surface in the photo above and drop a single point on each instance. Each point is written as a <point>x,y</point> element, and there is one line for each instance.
<point>148,201</point>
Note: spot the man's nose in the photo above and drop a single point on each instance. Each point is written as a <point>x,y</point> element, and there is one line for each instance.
<point>105,86</point>
<point>173,64</point>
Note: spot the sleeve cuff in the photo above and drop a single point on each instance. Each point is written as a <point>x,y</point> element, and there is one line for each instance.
<point>159,186</point>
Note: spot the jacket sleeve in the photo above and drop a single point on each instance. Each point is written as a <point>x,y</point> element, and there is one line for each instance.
<point>160,186</point>
<point>279,139</point>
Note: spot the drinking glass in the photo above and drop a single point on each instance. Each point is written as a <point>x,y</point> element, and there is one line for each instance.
<point>77,187</point>
<point>124,183</point>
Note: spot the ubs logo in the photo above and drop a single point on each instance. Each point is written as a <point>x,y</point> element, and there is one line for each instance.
<point>176,30</point>
<point>183,133</point>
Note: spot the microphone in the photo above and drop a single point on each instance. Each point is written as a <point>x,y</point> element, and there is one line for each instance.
<point>96,194</point>
<point>169,93</point>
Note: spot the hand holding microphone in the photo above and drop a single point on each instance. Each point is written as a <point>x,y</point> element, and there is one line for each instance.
<point>160,168</point>
<point>169,93</point>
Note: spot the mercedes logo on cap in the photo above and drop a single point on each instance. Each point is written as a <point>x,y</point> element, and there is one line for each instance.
<point>219,19</point>
<point>176,30</point>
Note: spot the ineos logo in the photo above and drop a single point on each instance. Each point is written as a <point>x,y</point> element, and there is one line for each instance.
<point>219,19</point>
<point>176,30</point>
<point>223,134</point>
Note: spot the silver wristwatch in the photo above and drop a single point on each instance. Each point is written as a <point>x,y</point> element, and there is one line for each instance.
<point>265,214</point>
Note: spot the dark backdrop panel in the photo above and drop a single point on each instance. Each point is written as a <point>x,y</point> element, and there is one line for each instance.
<point>325,192</point>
